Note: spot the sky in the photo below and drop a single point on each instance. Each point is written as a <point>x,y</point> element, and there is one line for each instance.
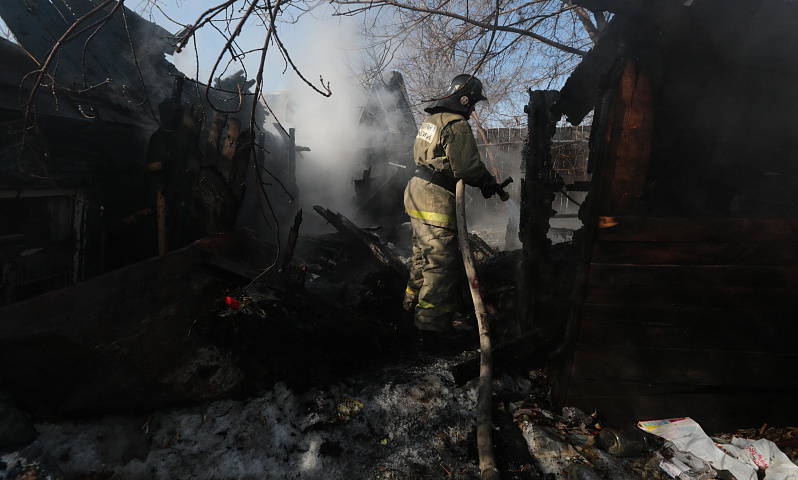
<point>319,44</point>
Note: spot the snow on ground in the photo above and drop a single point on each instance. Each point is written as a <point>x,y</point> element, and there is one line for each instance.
<point>415,423</point>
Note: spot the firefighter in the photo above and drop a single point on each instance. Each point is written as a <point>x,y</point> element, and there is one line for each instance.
<point>445,151</point>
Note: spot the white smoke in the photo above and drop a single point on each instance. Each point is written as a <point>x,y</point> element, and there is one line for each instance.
<point>320,47</point>
<point>327,125</point>
<point>331,126</point>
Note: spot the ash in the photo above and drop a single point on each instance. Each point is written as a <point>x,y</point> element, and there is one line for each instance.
<point>414,423</point>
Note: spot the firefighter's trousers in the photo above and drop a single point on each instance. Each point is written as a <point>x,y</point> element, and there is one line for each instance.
<point>435,276</point>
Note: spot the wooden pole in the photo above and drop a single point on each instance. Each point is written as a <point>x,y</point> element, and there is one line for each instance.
<point>487,461</point>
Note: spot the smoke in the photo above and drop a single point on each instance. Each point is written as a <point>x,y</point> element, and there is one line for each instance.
<point>326,125</point>
<point>514,212</point>
<point>320,47</point>
<point>492,212</point>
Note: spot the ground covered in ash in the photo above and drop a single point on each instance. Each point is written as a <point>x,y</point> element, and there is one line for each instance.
<point>410,421</point>
<point>397,410</point>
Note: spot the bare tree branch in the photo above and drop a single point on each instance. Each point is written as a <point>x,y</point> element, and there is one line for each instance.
<point>591,29</point>
<point>368,4</point>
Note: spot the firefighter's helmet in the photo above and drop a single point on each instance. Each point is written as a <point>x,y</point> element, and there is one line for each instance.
<point>463,93</point>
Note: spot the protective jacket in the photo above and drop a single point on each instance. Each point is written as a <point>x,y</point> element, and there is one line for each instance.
<point>446,146</point>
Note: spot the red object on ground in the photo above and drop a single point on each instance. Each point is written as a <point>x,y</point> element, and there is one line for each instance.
<point>232,303</point>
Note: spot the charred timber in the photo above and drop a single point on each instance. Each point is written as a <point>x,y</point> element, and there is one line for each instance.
<point>379,251</point>
<point>293,235</point>
<point>579,94</point>
<point>537,189</point>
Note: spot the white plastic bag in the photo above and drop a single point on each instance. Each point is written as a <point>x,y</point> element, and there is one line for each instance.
<point>688,436</point>
<point>767,456</point>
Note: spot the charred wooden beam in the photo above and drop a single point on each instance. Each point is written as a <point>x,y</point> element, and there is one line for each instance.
<point>580,93</point>
<point>239,164</point>
<point>538,189</point>
<point>379,251</point>
<point>231,144</point>
<point>480,248</point>
<point>293,235</point>
<point>211,154</point>
<point>541,181</point>
<point>291,184</point>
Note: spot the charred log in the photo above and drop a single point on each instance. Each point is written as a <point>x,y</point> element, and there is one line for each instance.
<point>379,251</point>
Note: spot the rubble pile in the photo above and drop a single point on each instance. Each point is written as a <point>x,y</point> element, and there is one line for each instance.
<point>403,417</point>
<point>335,385</point>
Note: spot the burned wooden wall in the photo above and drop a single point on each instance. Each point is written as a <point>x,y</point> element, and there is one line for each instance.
<point>117,160</point>
<point>686,305</point>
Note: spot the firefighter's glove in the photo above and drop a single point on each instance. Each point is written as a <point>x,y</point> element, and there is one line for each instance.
<point>490,189</point>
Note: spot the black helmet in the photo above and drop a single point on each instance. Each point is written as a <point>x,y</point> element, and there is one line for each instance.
<point>463,93</point>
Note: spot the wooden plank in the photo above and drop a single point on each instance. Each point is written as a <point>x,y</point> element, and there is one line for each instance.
<point>715,413</point>
<point>709,297</point>
<point>718,329</point>
<point>697,253</point>
<point>721,230</point>
<point>630,146</point>
<point>682,366</point>
<point>695,275</point>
